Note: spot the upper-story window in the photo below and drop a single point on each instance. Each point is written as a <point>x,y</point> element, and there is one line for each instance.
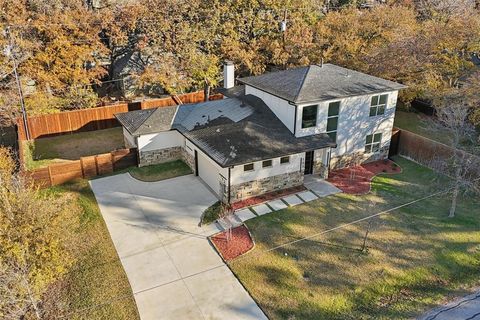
<point>378,105</point>
<point>332,119</point>
<point>309,116</point>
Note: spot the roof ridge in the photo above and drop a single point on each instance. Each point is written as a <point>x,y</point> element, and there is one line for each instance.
<point>149,116</point>
<point>140,125</point>
<point>303,81</point>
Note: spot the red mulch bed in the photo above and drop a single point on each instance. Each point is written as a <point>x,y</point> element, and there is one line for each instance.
<point>266,197</point>
<point>239,243</point>
<point>357,180</point>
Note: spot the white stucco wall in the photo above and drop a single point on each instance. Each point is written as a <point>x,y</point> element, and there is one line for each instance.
<point>238,175</point>
<point>209,171</point>
<point>129,137</point>
<point>282,109</point>
<point>354,122</point>
<point>321,155</point>
<point>161,140</point>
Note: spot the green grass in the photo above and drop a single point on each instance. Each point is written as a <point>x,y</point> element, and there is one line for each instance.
<point>161,171</point>
<point>415,256</point>
<point>45,151</point>
<point>418,123</point>
<point>212,213</point>
<point>96,284</point>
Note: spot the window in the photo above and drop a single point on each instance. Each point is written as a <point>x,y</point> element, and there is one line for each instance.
<point>284,160</point>
<point>378,105</point>
<point>309,117</point>
<point>248,167</point>
<point>332,119</point>
<point>267,164</point>
<point>372,143</point>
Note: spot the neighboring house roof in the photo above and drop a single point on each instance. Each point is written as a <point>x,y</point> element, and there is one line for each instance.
<point>318,83</point>
<point>147,121</point>
<point>240,130</point>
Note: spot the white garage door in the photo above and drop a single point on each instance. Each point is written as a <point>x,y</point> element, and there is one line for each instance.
<point>208,172</point>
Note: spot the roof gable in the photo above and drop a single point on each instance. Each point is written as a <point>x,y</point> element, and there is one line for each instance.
<point>147,121</point>
<point>318,83</point>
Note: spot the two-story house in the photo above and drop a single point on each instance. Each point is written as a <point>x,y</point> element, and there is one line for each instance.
<point>271,130</point>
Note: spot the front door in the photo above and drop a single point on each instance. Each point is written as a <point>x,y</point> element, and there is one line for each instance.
<point>308,162</point>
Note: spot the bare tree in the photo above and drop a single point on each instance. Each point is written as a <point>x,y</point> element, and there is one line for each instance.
<point>462,164</point>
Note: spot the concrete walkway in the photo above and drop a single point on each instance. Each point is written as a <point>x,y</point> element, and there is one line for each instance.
<point>172,269</point>
<point>320,186</point>
<point>466,308</point>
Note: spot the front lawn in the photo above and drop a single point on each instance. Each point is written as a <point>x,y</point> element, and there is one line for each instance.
<point>45,151</point>
<point>414,257</point>
<point>96,286</point>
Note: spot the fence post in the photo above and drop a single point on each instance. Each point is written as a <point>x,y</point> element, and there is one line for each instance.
<point>50,175</point>
<point>81,167</point>
<point>111,161</point>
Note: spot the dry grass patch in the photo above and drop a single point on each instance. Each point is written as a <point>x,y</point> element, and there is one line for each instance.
<point>96,287</point>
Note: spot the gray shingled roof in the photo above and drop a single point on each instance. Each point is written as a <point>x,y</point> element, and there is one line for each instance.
<point>318,83</point>
<point>147,121</point>
<point>240,130</point>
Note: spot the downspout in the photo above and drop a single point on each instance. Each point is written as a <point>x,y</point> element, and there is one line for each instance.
<point>228,195</point>
<point>138,151</point>
<point>295,121</point>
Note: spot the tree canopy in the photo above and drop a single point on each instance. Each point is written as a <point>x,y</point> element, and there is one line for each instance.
<point>173,46</point>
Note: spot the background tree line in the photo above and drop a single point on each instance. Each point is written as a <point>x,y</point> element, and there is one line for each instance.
<point>71,53</point>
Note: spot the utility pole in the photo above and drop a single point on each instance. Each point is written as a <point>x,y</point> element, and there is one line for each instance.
<point>10,52</point>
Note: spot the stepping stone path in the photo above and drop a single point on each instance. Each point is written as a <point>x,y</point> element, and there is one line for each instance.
<point>261,209</point>
<point>277,204</point>
<point>307,196</point>
<point>292,200</point>
<point>245,214</point>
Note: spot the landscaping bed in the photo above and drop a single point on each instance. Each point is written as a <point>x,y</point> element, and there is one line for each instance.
<point>233,244</point>
<point>267,197</point>
<point>212,213</point>
<point>411,259</point>
<point>162,171</point>
<point>357,180</point>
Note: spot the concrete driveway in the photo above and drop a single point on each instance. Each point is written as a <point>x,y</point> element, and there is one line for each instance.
<point>172,269</point>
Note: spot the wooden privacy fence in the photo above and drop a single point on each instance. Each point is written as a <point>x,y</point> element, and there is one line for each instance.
<point>97,118</point>
<point>428,152</point>
<point>86,167</point>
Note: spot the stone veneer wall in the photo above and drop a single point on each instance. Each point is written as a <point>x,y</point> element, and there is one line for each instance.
<point>357,158</point>
<point>189,159</point>
<point>257,187</point>
<point>320,169</point>
<point>147,158</point>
